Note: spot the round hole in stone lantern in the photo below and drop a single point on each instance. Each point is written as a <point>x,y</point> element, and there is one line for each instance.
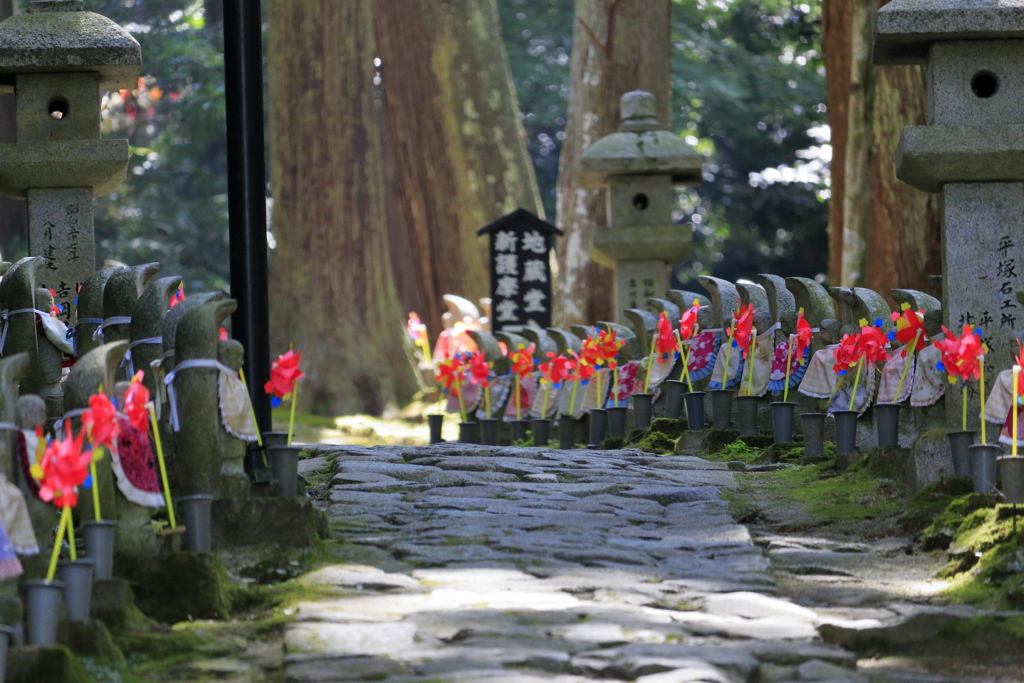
<point>58,108</point>
<point>640,201</point>
<point>984,84</point>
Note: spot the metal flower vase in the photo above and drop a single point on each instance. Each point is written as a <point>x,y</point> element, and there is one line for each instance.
<point>960,443</point>
<point>782,421</point>
<point>746,414</point>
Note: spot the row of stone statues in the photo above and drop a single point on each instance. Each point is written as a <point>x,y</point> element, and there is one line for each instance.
<point>126,325</point>
<point>831,312</point>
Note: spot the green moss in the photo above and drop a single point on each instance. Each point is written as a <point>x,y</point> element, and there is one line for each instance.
<point>179,586</point>
<point>985,551</point>
<point>54,664</point>
<point>737,450</point>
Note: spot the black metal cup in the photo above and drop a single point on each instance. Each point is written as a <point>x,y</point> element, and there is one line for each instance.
<point>617,422</point>
<point>435,422</point>
<point>674,390</point>
<point>887,424</point>
<point>721,408</point>
<point>467,432</point>
<point>959,443</point>
<point>598,425</point>
<point>489,432</point>
<point>518,429</point>
<point>846,431</point>
<point>566,432</point>
<point>541,432</point>
<point>782,421</point>
<point>642,404</point>
<point>694,402</point>
<point>746,414</point>
<point>983,467</point>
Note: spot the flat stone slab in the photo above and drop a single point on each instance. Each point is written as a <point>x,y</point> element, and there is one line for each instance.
<point>539,564</point>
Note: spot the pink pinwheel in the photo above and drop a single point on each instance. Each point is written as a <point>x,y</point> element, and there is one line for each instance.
<point>136,401</point>
<point>284,372</point>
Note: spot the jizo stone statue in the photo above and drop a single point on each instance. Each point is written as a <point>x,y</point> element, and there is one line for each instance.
<point>638,167</point>
<point>58,59</point>
<point>970,153</point>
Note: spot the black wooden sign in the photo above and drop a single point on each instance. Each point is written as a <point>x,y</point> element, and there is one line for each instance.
<point>521,247</point>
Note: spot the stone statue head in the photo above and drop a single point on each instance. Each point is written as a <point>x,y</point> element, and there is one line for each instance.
<point>831,331</point>
<point>933,322</point>
<point>31,411</point>
<point>788,320</point>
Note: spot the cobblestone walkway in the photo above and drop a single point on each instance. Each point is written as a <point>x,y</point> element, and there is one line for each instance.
<point>544,565</point>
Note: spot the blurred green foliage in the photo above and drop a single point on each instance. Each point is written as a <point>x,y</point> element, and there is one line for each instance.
<point>748,87</point>
<point>748,91</point>
<point>173,207</point>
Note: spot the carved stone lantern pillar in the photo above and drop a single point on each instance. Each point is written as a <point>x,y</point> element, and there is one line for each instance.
<point>638,167</point>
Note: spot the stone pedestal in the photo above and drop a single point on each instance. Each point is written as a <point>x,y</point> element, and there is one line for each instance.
<point>970,153</point>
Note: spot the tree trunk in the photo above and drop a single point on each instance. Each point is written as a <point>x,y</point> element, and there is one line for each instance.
<point>904,243</point>
<point>332,292</point>
<point>618,46</point>
<point>13,212</point>
<point>883,234</point>
<point>837,22</point>
<point>459,152</point>
<point>857,157</point>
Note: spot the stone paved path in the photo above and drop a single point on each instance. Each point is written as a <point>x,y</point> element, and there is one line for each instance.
<point>545,565</point>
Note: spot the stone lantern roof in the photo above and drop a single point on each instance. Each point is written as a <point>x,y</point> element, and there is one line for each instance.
<point>906,28</point>
<point>640,148</point>
<point>57,36</point>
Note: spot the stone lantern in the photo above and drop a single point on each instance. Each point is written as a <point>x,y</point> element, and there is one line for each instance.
<point>971,153</point>
<point>638,167</point>
<point>58,59</point>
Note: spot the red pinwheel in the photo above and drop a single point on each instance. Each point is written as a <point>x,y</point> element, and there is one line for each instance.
<point>556,370</point>
<point>804,334</point>
<point>522,361</point>
<point>744,327</point>
<point>871,344</point>
<point>847,353</point>
<point>665,342</point>
<point>136,401</point>
<point>960,355</point>
<point>64,468</point>
<point>449,373</point>
<point>688,323</point>
<point>590,353</point>
<point>909,327</point>
<point>100,420</point>
<point>608,348</point>
<point>479,369</point>
<point>284,372</point>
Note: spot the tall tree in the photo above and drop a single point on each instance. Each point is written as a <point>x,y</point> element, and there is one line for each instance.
<point>884,234</point>
<point>618,46</point>
<point>456,148</point>
<point>331,279</point>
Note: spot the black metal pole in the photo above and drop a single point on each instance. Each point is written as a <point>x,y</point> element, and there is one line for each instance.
<point>247,204</point>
